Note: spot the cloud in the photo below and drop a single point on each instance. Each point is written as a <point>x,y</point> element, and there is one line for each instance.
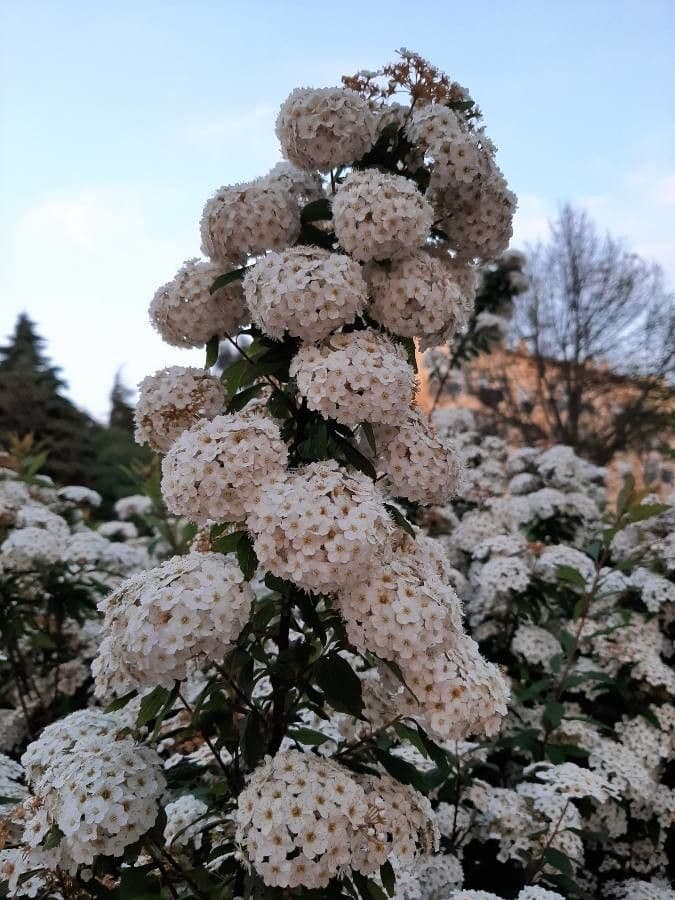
<point>85,265</point>
<point>640,209</point>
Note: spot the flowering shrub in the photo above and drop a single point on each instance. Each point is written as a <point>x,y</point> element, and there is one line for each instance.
<point>295,707</point>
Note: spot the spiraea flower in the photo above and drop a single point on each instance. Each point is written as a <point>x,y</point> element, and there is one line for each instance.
<point>300,184</point>
<point>185,819</point>
<point>356,377</point>
<point>305,291</point>
<point>420,466</point>
<point>156,623</point>
<point>323,128</point>
<point>380,216</point>
<point>171,401</point>
<point>417,296</point>
<point>399,610</point>
<point>100,789</point>
<point>298,818</point>
<point>217,469</point>
<point>403,826</point>
<point>243,220</point>
<point>187,314</point>
<point>477,219</point>
<point>319,524</point>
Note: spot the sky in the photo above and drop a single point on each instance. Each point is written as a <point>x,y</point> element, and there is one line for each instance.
<point>119,120</point>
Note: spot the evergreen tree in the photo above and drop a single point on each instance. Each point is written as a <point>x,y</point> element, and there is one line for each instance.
<point>32,402</point>
<point>119,459</point>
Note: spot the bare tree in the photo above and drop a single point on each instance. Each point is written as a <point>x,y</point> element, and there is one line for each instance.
<point>599,327</point>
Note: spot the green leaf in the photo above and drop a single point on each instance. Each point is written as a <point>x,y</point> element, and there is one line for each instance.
<point>253,739</point>
<point>41,640</point>
<point>646,511</point>
<point>571,576</point>
<point>120,702</point>
<point>388,878</point>
<point>369,434</point>
<point>315,211</point>
<point>566,640</point>
<point>367,888</point>
<point>533,690</point>
<point>354,457</point>
<point>248,561</point>
<point>223,280</point>
<point>625,495</point>
<point>414,737</point>
<point>409,345</point>
<point>400,769</point>
<point>241,398</point>
<point>227,543</point>
<point>315,445</point>
<point>340,684</point>
<point>152,704</point>
<point>553,714</point>
<point>235,374</point>
<point>400,519</point>
<point>559,861</point>
<point>308,736</point>
<point>136,884</point>
<point>212,351</point>
<point>53,838</point>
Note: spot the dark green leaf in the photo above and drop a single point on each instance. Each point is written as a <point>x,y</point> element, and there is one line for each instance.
<point>367,888</point>
<point>240,399</point>
<point>409,345</point>
<point>571,576</point>
<point>151,705</point>
<point>559,861</point>
<point>308,736</point>
<point>253,739</point>
<point>53,838</point>
<point>315,211</point>
<point>388,878</point>
<point>400,519</point>
<point>315,445</point>
<point>340,684</point>
<point>228,543</point>
<point>248,561</point>
<point>400,769</point>
<point>212,351</point>
<point>553,714</point>
<point>223,280</point>
<point>369,435</point>
<point>120,702</point>
<point>354,457</point>
<point>646,511</point>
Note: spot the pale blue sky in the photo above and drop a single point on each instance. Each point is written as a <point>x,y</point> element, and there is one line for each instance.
<point>119,120</point>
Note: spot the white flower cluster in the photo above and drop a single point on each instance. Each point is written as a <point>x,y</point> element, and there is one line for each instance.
<point>172,400</point>
<point>302,819</point>
<point>420,465</point>
<point>305,291</point>
<point>134,505</point>
<point>319,524</point>
<point>99,789</point>
<point>379,216</point>
<point>303,186</point>
<point>185,820</point>
<point>187,314</point>
<point>243,220</point>
<point>405,613</point>
<point>323,128</point>
<point>157,622</point>
<point>356,377</point>
<point>418,296</point>
<point>216,470</point>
